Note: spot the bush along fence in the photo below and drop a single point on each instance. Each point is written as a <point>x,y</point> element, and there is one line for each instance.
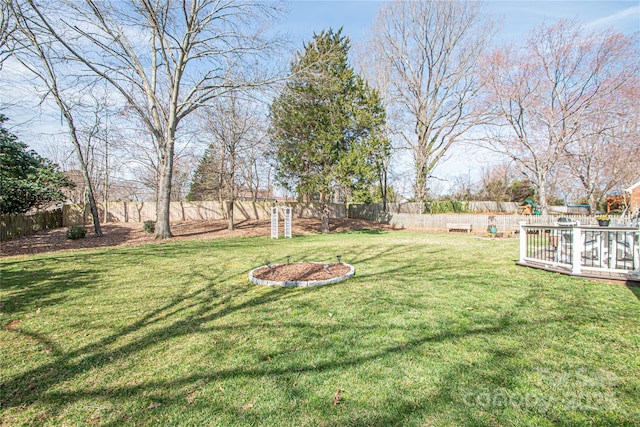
<point>15,225</point>
<point>437,207</point>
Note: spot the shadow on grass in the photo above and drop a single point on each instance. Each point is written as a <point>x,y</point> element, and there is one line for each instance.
<point>187,313</point>
<point>34,286</point>
<point>217,227</point>
<point>373,231</point>
<point>634,287</point>
<point>199,312</point>
<point>398,410</point>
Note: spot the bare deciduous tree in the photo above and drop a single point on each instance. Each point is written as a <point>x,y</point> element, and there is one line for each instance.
<point>430,50</point>
<point>367,60</point>
<point>167,59</point>
<point>237,137</point>
<point>605,155</point>
<point>544,93</point>
<point>144,164</point>
<point>38,53</point>
<point>7,28</point>
<point>9,40</point>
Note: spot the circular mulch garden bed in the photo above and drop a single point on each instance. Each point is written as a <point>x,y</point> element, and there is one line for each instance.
<point>301,274</point>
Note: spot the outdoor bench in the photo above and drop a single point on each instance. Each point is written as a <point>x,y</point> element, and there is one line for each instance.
<point>459,227</point>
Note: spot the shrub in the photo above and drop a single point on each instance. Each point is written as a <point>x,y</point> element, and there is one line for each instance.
<point>149,226</point>
<point>446,206</point>
<point>76,232</point>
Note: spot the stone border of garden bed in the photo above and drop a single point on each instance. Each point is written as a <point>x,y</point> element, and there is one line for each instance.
<point>301,284</point>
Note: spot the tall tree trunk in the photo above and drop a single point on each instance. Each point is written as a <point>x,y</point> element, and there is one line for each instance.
<point>92,201</point>
<point>382,181</point>
<point>106,174</point>
<point>420,186</point>
<point>593,204</point>
<point>163,208</point>
<point>325,214</point>
<point>230,209</point>
<point>49,78</point>
<point>73,134</point>
<point>591,196</point>
<point>232,183</point>
<point>542,195</point>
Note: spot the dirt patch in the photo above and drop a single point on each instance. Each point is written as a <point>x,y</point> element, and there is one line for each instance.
<point>301,272</point>
<point>11,325</point>
<point>131,234</point>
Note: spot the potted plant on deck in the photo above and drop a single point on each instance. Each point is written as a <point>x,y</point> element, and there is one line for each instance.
<point>603,220</point>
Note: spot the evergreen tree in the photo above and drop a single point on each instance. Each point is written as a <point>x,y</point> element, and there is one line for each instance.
<point>27,180</point>
<point>209,180</point>
<point>327,125</point>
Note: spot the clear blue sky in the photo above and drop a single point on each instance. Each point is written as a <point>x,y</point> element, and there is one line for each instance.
<point>515,17</point>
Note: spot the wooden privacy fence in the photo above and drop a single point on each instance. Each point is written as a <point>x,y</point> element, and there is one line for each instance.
<point>195,211</point>
<point>402,216</point>
<point>479,222</point>
<point>16,225</point>
<point>357,210</point>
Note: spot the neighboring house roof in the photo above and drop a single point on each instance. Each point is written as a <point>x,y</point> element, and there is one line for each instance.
<point>630,189</point>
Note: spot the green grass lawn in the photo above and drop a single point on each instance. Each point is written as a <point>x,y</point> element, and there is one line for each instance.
<point>441,330</point>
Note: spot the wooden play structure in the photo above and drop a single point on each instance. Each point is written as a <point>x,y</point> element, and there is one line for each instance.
<point>529,207</point>
<point>620,202</point>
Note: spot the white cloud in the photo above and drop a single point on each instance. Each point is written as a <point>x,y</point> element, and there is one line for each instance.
<point>608,21</point>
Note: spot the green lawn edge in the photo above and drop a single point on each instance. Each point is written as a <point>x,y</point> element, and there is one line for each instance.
<point>434,329</point>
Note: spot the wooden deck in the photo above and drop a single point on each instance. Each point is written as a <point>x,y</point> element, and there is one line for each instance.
<point>625,278</point>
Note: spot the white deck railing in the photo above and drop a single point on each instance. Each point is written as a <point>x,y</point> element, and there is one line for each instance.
<point>582,249</point>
